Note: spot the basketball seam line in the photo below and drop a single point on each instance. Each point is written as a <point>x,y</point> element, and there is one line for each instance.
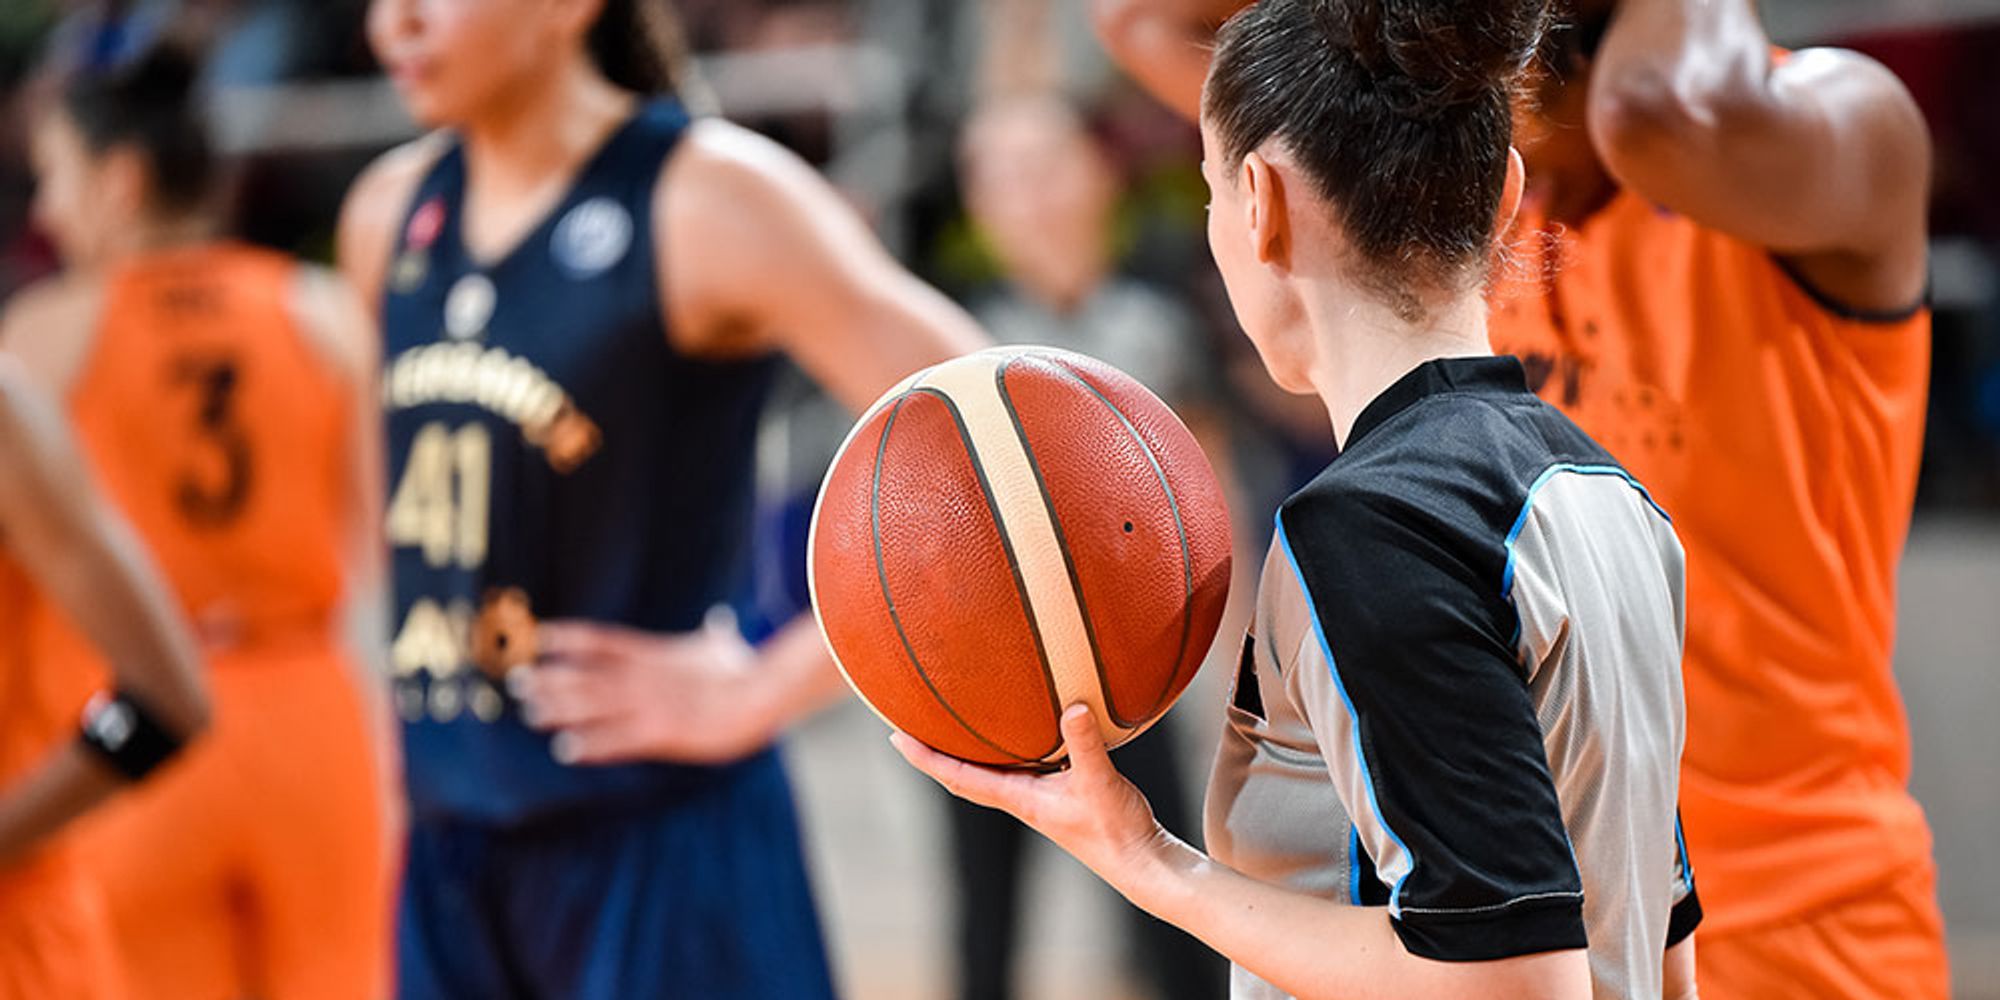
<point>1013,564</point>
<point>1173,505</point>
<point>881,569</point>
<point>1062,545</point>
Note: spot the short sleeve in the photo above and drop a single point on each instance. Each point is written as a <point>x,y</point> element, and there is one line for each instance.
<point>1430,735</point>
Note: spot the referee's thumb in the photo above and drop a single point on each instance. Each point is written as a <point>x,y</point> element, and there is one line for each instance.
<point>1084,741</point>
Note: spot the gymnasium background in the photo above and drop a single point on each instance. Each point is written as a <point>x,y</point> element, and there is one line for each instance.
<point>874,91</point>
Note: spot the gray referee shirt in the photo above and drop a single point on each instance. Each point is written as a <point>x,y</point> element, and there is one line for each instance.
<point>1461,696</point>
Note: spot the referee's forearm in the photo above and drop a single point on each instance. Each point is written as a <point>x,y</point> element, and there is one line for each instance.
<point>1312,948</point>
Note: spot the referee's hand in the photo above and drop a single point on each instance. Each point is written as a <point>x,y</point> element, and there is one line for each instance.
<point>1087,809</point>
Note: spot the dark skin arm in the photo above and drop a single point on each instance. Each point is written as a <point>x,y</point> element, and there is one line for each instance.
<point>85,559</point>
<point>1164,44</point>
<point>1822,157</point>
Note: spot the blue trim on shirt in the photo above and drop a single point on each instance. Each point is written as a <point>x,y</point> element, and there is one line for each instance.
<point>1353,864</point>
<point>1521,521</point>
<point>1360,757</point>
<point>1528,505</point>
<point>1687,867</point>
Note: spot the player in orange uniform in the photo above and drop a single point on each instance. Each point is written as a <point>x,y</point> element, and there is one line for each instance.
<point>1734,306</point>
<point>1737,311</point>
<point>221,394</point>
<point>59,543</point>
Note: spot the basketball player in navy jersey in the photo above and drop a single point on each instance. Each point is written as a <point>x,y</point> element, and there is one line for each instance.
<point>581,292</point>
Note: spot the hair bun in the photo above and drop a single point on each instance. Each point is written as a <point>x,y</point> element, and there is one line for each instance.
<point>1428,56</point>
<point>162,76</point>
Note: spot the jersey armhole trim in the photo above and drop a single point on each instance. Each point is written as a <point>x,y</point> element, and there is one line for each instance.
<point>1840,310</point>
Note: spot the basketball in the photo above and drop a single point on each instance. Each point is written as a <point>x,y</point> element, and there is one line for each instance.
<point>1012,532</point>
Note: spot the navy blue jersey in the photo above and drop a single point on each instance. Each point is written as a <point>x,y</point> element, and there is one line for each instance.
<point>550,456</point>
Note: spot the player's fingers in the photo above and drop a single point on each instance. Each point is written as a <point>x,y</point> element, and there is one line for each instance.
<point>555,696</point>
<point>721,618</point>
<point>568,640</point>
<point>582,642</point>
<point>1085,744</point>
<point>975,784</point>
<point>607,741</point>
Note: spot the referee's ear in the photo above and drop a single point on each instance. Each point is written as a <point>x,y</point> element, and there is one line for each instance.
<point>1510,194</point>
<point>1266,219</point>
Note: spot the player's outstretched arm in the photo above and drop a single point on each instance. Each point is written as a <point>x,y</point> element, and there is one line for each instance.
<point>1307,947</point>
<point>1164,44</point>
<point>761,252</point>
<point>85,559</point>
<point>1821,156</point>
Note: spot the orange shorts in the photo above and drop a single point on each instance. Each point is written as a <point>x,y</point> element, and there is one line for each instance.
<point>1885,945</point>
<point>54,941</point>
<point>258,865</point>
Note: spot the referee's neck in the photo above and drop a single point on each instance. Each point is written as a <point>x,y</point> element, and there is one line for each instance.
<point>1362,345</point>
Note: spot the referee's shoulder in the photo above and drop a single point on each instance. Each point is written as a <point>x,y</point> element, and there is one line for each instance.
<point>1340,519</point>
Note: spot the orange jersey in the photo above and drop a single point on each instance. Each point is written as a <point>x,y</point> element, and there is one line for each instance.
<point>40,709</point>
<point>223,435</point>
<point>27,727</point>
<point>1782,434</point>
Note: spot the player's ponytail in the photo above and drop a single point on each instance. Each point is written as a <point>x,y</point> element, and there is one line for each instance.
<point>149,104</point>
<point>639,45</point>
<point>1399,111</point>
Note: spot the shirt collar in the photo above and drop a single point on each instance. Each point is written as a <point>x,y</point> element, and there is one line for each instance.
<point>1501,375</point>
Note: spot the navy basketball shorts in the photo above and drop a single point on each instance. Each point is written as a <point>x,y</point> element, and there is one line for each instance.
<point>704,897</point>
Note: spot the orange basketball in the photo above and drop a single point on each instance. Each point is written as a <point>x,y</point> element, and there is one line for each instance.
<point>1015,531</point>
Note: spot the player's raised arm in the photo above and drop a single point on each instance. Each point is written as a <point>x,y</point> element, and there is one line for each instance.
<point>89,563</point>
<point>785,263</point>
<point>1822,155</point>
<point>1164,44</point>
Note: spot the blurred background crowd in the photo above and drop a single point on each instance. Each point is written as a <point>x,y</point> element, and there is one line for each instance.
<point>1000,155</point>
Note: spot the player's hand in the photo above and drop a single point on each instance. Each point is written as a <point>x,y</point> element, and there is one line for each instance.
<point>1088,809</point>
<point>612,694</point>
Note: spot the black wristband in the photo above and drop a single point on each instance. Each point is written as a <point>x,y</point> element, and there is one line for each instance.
<point>120,730</point>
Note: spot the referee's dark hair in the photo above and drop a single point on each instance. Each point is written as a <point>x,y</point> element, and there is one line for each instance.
<point>1400,112</point>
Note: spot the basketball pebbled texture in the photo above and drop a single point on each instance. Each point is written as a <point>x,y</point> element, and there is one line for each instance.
<point>1010,532</point>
